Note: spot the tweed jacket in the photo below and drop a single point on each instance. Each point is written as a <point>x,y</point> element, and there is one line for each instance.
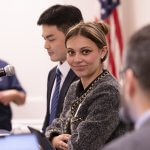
<point>92,119</point>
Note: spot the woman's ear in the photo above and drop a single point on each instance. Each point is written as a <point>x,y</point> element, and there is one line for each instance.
<point>104,52</point>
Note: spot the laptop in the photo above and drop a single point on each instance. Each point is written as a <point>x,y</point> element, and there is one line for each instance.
<point>42,140</point>
<point>4,133</point>
<point>19,142</point>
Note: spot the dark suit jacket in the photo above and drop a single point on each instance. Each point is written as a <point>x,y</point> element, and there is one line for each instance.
<point>136,140</point>
<point>71,77</point>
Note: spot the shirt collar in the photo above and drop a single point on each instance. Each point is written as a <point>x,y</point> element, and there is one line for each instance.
<point>64,68</point>
<point>142,119</point>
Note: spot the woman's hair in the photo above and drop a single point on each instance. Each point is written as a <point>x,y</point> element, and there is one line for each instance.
<point>96,32</point>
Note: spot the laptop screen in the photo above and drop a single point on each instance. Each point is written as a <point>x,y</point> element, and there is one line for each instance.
<point>43,141</point>
<point>19,142</point>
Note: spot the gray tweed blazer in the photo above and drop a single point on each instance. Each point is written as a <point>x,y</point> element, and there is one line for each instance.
<point>92,119</point>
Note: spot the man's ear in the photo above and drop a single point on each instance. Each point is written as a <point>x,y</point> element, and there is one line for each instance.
<point>131,84</point>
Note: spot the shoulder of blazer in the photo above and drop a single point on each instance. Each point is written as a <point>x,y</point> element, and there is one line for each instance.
<point>71,77</point>
<point>52,72</point>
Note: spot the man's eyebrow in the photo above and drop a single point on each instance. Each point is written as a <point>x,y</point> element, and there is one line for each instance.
<point>48,36</point>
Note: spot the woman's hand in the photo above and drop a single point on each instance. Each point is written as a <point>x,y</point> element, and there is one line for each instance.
<point>60,142</point>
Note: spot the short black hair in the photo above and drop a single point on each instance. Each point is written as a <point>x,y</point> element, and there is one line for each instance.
<point>63,16</point>
<point>138,56</point>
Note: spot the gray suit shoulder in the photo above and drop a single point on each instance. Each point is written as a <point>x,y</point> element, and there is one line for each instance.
<point>135,140</point>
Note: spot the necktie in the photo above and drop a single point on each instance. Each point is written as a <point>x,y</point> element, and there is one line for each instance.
<point>55,97</point>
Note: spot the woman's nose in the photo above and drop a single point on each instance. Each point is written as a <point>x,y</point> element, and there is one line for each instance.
<point>78,58</point>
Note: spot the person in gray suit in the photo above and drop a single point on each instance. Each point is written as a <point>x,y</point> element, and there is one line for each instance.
<point>136,93</point>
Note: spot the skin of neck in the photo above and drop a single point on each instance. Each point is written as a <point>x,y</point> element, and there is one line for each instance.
<point>88,79</point>
<point>142,102</point>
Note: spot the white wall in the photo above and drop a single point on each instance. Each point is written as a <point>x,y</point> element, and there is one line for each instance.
<point>22,45</point>
<point>135,14</point>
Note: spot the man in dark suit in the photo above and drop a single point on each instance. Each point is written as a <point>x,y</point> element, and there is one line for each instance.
<point>55,22</point>
<point>136,93</point>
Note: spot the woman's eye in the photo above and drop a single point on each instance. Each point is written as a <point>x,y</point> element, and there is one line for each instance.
<point>85,52</point>
<point>70,52</point>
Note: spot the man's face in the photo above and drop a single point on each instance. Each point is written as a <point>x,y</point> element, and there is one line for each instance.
<point>54,42</point>
<point>126,112</point>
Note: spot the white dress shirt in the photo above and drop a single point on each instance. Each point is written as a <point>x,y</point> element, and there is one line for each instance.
<point>142,119</point>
